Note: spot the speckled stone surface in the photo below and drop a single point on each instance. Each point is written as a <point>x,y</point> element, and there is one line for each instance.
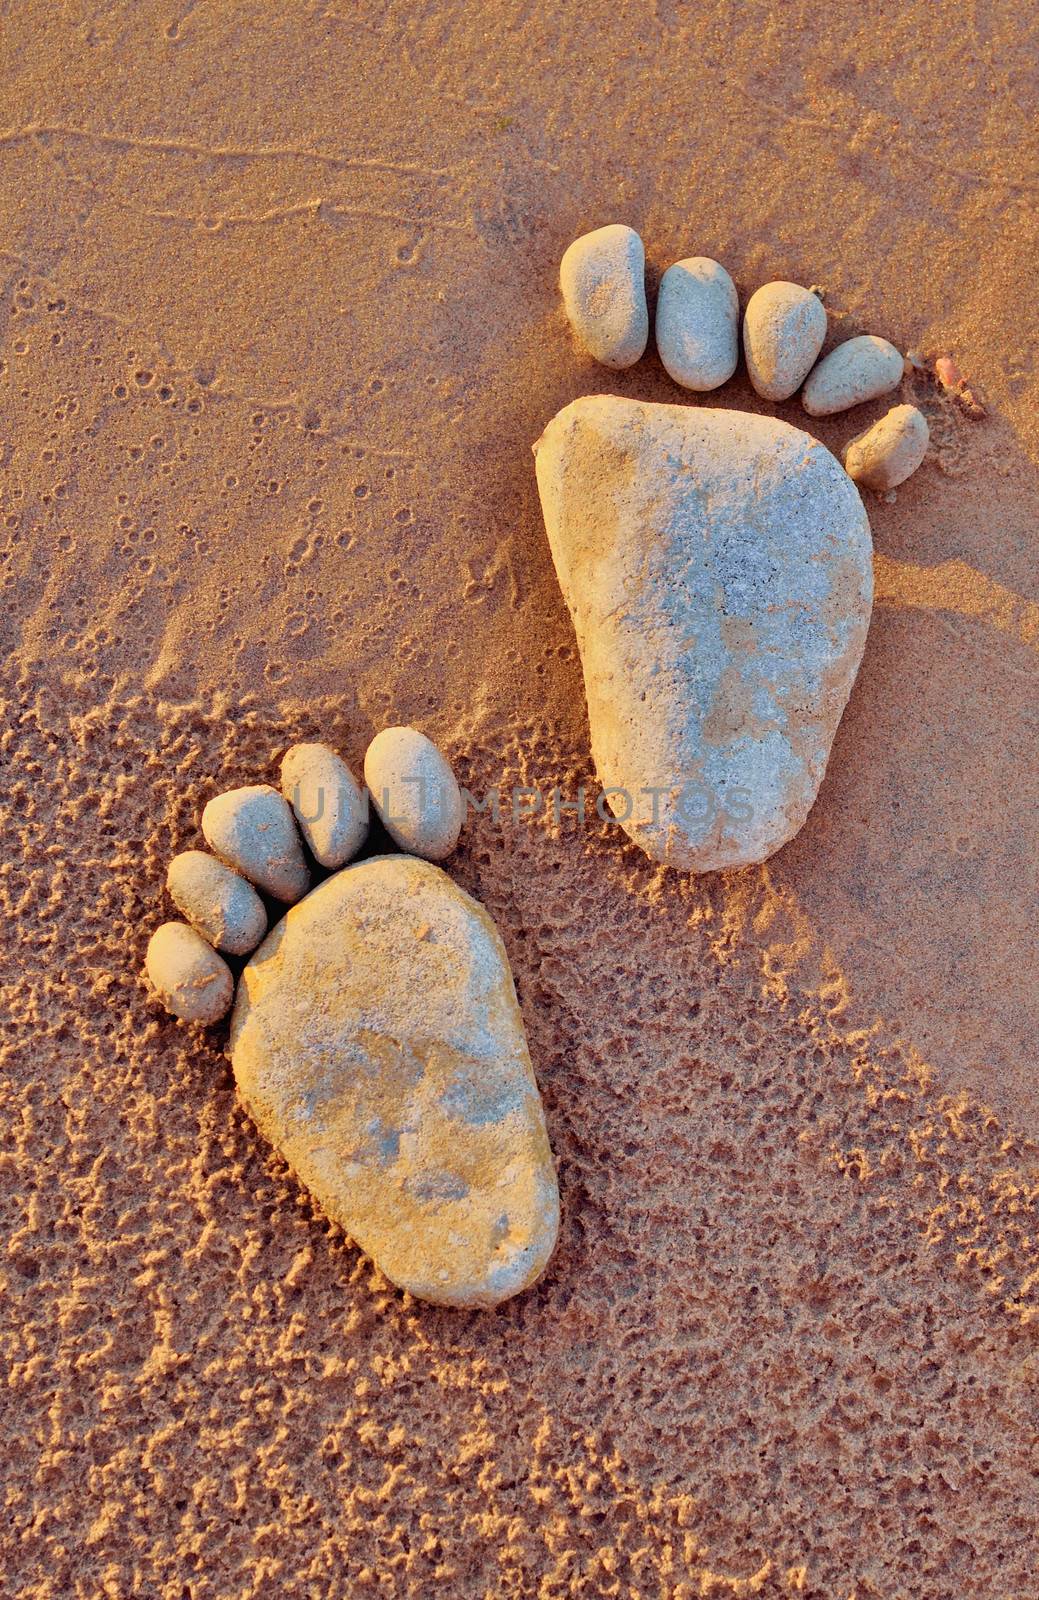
<point>377,1042</point>
<point>603,280</point>
<point>717,566</point>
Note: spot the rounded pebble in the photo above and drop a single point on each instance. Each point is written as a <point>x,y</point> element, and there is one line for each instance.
<point>329,804</point>
<point>783,331</point>
<point>886,454</point>
<point>253,829</point>
<point>603,279</point>
<point>217,902</point>
<point>190,979</point>
<point>414,792</point>
<point>858,370</point>
<point>697,323</point>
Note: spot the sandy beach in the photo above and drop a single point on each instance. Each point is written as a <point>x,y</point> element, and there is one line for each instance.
<point>280,326</point>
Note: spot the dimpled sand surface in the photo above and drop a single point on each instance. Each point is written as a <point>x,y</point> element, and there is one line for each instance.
<point>280,319</point>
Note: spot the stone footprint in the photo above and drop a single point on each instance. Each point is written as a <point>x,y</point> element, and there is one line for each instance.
<point>717,564</point>
<point>376,1038</point>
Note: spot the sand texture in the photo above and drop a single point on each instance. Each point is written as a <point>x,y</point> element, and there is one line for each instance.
<point>280,319</point>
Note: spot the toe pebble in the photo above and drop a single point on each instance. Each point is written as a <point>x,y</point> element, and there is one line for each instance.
<point>886,454</point>
<point>603,279</point>
<point>253,829</point>
<point>414,792</point>
<point>697,323</point>
<point>857,370</point>
<point>783,331</point>
<point>329,804</point>
<point>217,901</point>
<point>191,980</point>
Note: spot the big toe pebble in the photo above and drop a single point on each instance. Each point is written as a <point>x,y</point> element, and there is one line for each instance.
<point>717,567</point>
<point>253,829</point>
<point>858,370</point>
<point>603,279</point>
<point>328,802</point>
<point>886,454</point>
<point>377,1043</point>
<point>414,792</point>
<point>217,901</point>
<point>697,323</point>
<point>190,979</point>
<point>783,331</point>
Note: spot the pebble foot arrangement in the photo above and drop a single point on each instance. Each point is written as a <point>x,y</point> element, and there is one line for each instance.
<point>375,1037</point>
<point>717,564</point>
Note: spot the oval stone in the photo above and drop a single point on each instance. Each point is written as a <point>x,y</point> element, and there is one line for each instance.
<point>253,829</point>
<point>414,792</point>
<point>889,452</point>
<point>603,279</point>
<point>217,901</point>
<point>328,803</point>
<point>783,331</point>
<point>191,980</point>
<point>717,567</point>
<point>697,323</point>
<point>860,369</point>
<point>377,1042</point>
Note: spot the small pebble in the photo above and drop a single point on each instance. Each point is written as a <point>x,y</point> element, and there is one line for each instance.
<point>603,279</point>
<point>217,902</point>
<point>329,804</point>
<point>697,323</point>
<point>414,792</point>
<point>253,829</point>
<point>191,980</point>
<point>887,453</point>
<point>859,369</point>
<point>783,331</point>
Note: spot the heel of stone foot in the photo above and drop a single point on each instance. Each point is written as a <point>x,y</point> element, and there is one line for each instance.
<point>267,848</point>
<point>698,339</point>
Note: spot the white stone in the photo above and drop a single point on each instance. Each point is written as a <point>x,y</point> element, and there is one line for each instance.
<point>378,1045</point>
<point>886,454</point>
<point>217,901</point>
<point>603,279</point>
<point>253,829</point>
<point>717,567</point>
<point>860,369</point>
<point>697,323</point>
<point>190,979</point>
<point>783,331</point>
<point>414,792</point>
<point>328,803</point>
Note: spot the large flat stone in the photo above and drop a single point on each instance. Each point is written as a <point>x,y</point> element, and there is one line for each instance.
<point>718,569</point>
<point>377,1043</point>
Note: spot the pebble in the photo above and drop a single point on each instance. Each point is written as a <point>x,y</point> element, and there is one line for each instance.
<point>377,1043</point>
<point>253,829</point>
<point>218,903</point>
<point>414,792</point>
<point>783,331</point>
<point>889,452</point>
<point>190,979</point>
<point>859,369</point>
<point>697,323</point>
<point>329,804</point>
<point>718,569</point>
<point>603,279</point>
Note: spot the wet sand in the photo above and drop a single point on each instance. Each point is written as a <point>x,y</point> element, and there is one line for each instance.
<point>280,325</point>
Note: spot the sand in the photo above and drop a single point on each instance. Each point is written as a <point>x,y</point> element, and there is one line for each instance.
<point>279,328</point>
